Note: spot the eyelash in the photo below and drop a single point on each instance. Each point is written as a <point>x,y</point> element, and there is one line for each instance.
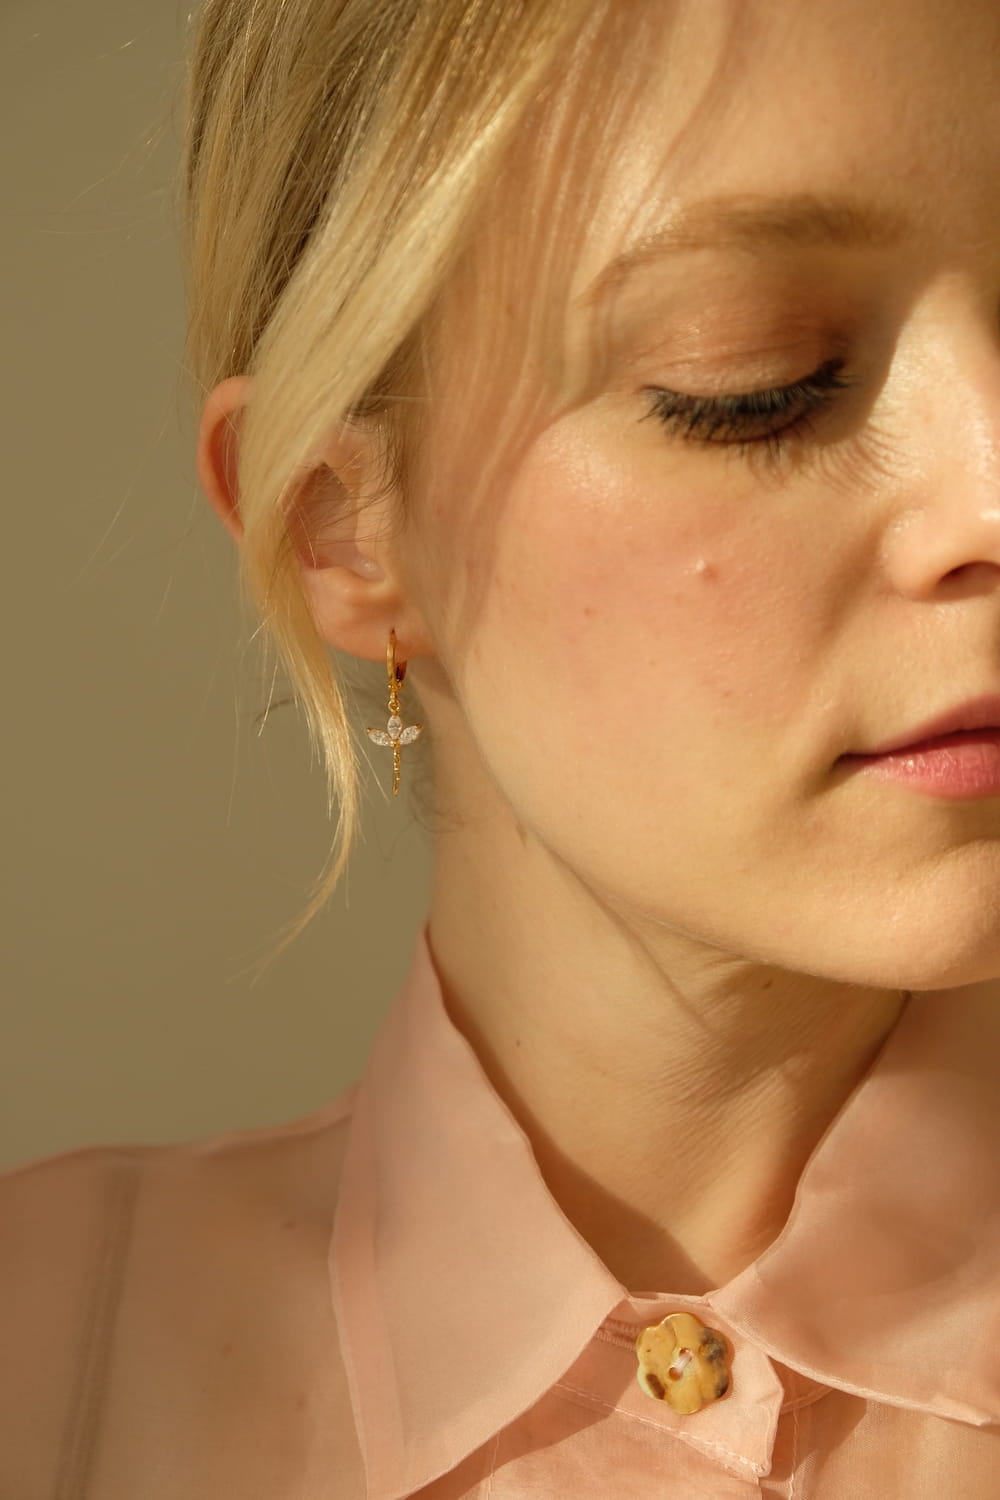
<point>700,418</point>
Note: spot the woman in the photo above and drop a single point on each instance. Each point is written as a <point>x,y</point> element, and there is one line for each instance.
<point>625,376</point>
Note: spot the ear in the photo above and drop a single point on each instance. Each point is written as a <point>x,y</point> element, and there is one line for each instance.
<point>218,440</point>
<point>342,541</point>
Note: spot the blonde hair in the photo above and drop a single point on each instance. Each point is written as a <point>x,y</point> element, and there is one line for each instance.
<point>334,157</point>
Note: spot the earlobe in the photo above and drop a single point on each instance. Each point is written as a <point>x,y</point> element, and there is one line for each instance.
<point>349,578</point>
<point>218,450</point>
<point>338,537</point>
<point>352,601</point>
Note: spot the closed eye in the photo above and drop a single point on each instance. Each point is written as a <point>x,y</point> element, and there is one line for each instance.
<point>751,418</point>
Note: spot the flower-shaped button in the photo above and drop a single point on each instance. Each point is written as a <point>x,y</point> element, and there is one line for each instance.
<point>683,1363</point>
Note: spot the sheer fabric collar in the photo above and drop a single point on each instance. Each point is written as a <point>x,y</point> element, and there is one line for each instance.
<point>463,1293</point>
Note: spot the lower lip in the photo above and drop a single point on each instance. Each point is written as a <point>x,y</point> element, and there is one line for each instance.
<point>955,766</point>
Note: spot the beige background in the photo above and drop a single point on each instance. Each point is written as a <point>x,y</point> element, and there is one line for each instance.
<point>154,843</point>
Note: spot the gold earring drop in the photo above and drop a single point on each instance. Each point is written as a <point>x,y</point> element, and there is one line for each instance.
<point>394,734</point>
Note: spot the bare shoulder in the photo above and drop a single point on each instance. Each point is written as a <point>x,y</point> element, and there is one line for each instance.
<point>165,1311</point>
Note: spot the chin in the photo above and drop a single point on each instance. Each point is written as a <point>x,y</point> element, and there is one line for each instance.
<point>939,950</point>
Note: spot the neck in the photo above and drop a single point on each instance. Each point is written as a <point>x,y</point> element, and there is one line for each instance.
<point>672,1093</point>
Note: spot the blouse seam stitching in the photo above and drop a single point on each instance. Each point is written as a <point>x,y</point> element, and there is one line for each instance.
<point>79,1442</point>
<point>684,1437</point>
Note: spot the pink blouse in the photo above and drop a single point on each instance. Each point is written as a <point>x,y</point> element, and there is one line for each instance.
<point>383,1300</point>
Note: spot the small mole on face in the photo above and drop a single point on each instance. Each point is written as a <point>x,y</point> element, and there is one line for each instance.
<point>702,568</point>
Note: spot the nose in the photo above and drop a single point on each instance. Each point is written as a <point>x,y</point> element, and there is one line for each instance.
<point>945,540</point>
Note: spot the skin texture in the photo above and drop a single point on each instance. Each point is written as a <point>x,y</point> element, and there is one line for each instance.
<point>674,925</point>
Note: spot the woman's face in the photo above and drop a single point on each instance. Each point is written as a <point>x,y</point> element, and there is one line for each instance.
<point>664,631</point>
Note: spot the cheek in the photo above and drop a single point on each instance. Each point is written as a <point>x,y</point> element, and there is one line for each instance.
<point>643,675</point>
<point>617,593</point>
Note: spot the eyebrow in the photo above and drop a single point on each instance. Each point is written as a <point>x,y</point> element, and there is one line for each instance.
<point>752,222</point>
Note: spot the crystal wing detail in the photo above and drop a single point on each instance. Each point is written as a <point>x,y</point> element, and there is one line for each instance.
<point>410,733</point>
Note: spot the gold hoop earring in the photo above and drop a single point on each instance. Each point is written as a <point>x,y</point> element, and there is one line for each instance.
<point>394,733</point>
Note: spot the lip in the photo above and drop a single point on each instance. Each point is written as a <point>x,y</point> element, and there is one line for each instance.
<point>975,713</point>
<point>957,766</point>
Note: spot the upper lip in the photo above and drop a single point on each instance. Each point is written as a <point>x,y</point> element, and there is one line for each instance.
<point>976,713</point>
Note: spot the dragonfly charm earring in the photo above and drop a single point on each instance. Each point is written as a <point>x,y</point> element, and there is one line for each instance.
<point>394,733</point>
